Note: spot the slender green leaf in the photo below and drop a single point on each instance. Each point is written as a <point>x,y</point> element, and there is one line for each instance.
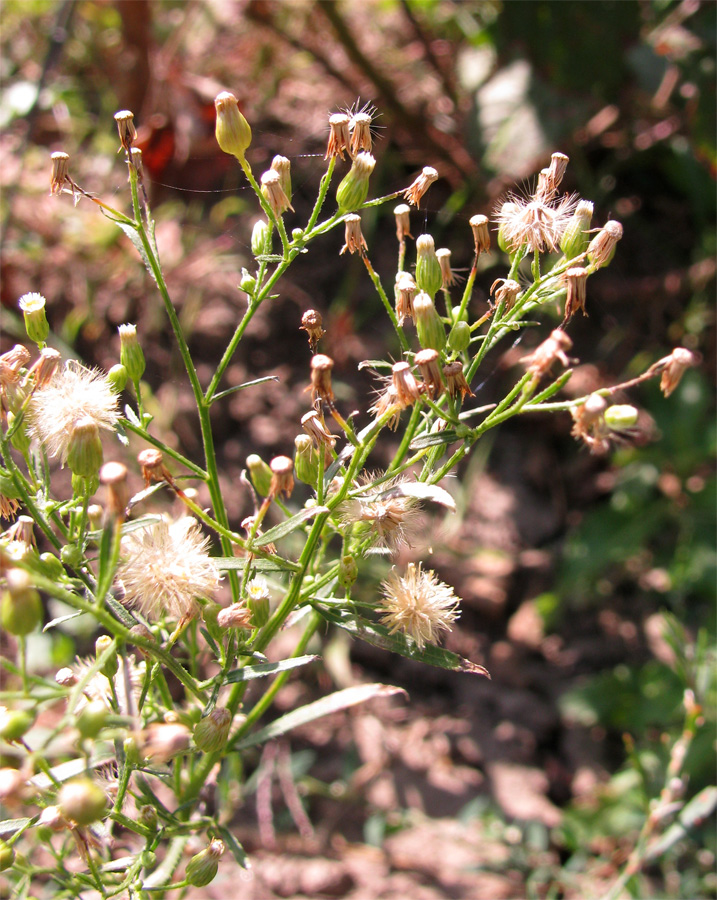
<point>286,527</point>
<point>236,849</point>
<point>132,234</point>
<point>433,440</point>
<point>248,673</point>
<point>379,636</point>
<point>552,388</point>
<point>120,612</point>
<point>270,564</point>
<point>324,707</point>
<point>699,809</point>
<point>8,827</point>
<point>241,387</point>
<point>373,364</point>
<point>53,623</point>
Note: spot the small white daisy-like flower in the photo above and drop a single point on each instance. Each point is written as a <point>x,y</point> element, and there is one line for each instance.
<point>74,392</point>
<point>418,604</point>
<point>534,223</point>
<point>258,589</point>
<point>165,568</point>
<point>31,302</point>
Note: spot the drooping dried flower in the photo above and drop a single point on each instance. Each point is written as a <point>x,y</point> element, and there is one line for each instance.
<point>60,170</point>
<point>44,367</point>
<point>125,126</point>
<point>589,425</point>
<point>545,354</point>
<point>74,392</point>
<point>415,191</point>
<point>456,380</point>
<point>405,292</point>
<point>165,569</point>
<point>282,476</point>
<point>407,389</point>
<point>506,291</point>
<point>418,604</point>
<point>427,362</point>
<point>314,425</point>
<point>339,137</point>
<point>311,323</point>
<point>273,192</point>
<point>443,255</point>
<point>282,165</point>
<point>575,280</point>
<point>321,389</point>
<point>601,248</point>
<point>676,365</point>
<point>354,240</point>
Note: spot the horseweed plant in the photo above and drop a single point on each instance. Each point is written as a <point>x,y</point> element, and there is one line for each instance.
<point>160,713</point>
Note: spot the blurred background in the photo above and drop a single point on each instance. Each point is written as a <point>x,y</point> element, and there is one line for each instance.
<point>588,583</point>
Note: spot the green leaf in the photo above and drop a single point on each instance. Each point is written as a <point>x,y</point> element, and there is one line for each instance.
<point>120,612</point>
<point>286,527</point>
<point>324,707</point>
<point>433,440</point>
<point>249,673</point>
<point>241,387</point>
<point>53,623</point>
<point>697,811</point>
<point>379,636</point>
<point>422,491</point>
<point>270,564</point>
<point>236,849</point>
<point>8,827</point>
<point>133,235</point>
<point>131,416</point>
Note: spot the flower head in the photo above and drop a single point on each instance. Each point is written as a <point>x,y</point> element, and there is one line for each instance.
<point>389,516</point>
<point>418,188</point>
<point>75,392</point>
<point>166,567</point>
<point>418,604</point>
<point>535,223</point>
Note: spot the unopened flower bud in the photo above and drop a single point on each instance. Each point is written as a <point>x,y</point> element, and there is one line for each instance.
<point>258,602</point>
<point>125,126</point>
<point>21,607</point>
<point>402,215</point>
<point>84,485</point>
<point>481,234</point>
<point>427,362</point>
<point>429,277</point>
<point>260,474</point>
<point>311,323</point>
<point>459,337</point>
<point>260,238</point>
<point>602,247</point>
<point>72,555</point>
<point>620,416</point>
<point>82,801</point>
<point>443,255</point>
<point>576,236</point>
<point>360,128</point>
<point>84,452</point>
<point>282,476</point>
<point>353,237</point>
<point>131,354</point>
<point>306,460</point>
<point>348,571</point>
<point>418,188</point>
<point>273,192</point>
<point>247,282</point>
<point>339,137</point>
<point>14,723</point>
<point>456,380</point>
<point>117,378</point>
<point>353,189</point>
<point>202,868</point>
<point>113,475</point>
<point>232,129</point>
<point>111,664</point>
<point>147,816</point>
<point>51,566</point>
<point>575,280</point>
<point>60,170</point>
<point>211,732</point>
<point>65,677</point>
<point>282,165</point>
<point>91,719</point>
<point>7,856</point>
<point>33,313</point>
<point>431,332</point>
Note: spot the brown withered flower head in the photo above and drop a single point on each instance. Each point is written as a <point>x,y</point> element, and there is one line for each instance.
<point>273,192</point>
<point>575,280</point>
<point>391,518</point>
<point>339,136</point>
<point>314,425</point>
<point>311,323</point>
<point>675,366</point>
<point>553,348</point>
<point>481,234</point>
<point>282,476</point>
<point>589,424</point>
<point>505,290</point>
<point>405,292</point>
<point>321,389</point>
<point>353,238</point>
<point>407,389</point>
<point>415,191</point>
<point>402,214</point>
<point>125,126</point>
<point>60,172</point>
<point>360,129</point>
<point>427,362</point>
<point>456,380</point>
<point>443,255</point>
<point>549,179</point>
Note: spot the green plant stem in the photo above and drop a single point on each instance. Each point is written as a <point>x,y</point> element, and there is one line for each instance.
<point>386,302</point>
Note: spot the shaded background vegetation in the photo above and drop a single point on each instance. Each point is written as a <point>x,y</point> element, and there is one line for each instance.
<point>568,564</point>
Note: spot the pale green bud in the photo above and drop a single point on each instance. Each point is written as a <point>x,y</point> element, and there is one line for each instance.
<point>576,236</point>
<point>109,669</point>
<point>306,460</point>
<point>429,277</point>
<point>248,282</point>
<point>620,416</point>
<point>202,868</point>
<point>84,453</point>
<point>232,130</point>
<point>131,354</point>
<point>82,801</point>
<point>7,856</point>
<point>260,474</point>
<point>91,719</point>
<point>21,607</point>
<point>33,312</point>
<point>353,189</point>
<point>211,732</point>
<point>431,332</point>
<point>459,337</point>
<point>117,378</point>
<point>260,238</point>
<point>348,571</point>
<point>14,723</point>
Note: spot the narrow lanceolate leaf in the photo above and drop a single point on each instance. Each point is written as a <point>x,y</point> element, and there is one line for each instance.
<point>9,827</point>
<point>284,528</point>
<point>379,636</point>
<point>269,564</point>
<point>433,440</point>
<point>132,234</point>
<point>235,848</point>
<point>248,673</point>
<point>422,491</point>
<point>324,707</point>
<point>241,387</point>
<point>699,809</point>
<point>53,623</point>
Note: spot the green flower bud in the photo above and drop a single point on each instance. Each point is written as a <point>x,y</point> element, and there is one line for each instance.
<point>71,555</point>
<point>84,453</point>
<point>117,378</point>
<point>51,567</point>
<point>148,859</point>
<point>14,723</point>
<point>576,236</point>
<point>33,312</point>
<point>202,868</point>
<point>260,474</point>
<point>82,485</point>
<point>232,130</point>
<point>21,607</point>
<point>92,718</point>
<point>248,282</point>
<point>20,439</point>
<point>131,353</point>
<point>131,751</point>
<point>148,817</point>
<point>7,856</point>
<point>258,601</point>
<point>282,166</point>
<point>620,416</point>
<point>109,669</point>
<point>459,337</point>
<point>348,571</point>
<point>306,460</point>
<point>431,332</point>
<point>429,277</point>
<point>211,732</point>
<point>353,189</point>
<point>260,238</point>
<point>82,801</point>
